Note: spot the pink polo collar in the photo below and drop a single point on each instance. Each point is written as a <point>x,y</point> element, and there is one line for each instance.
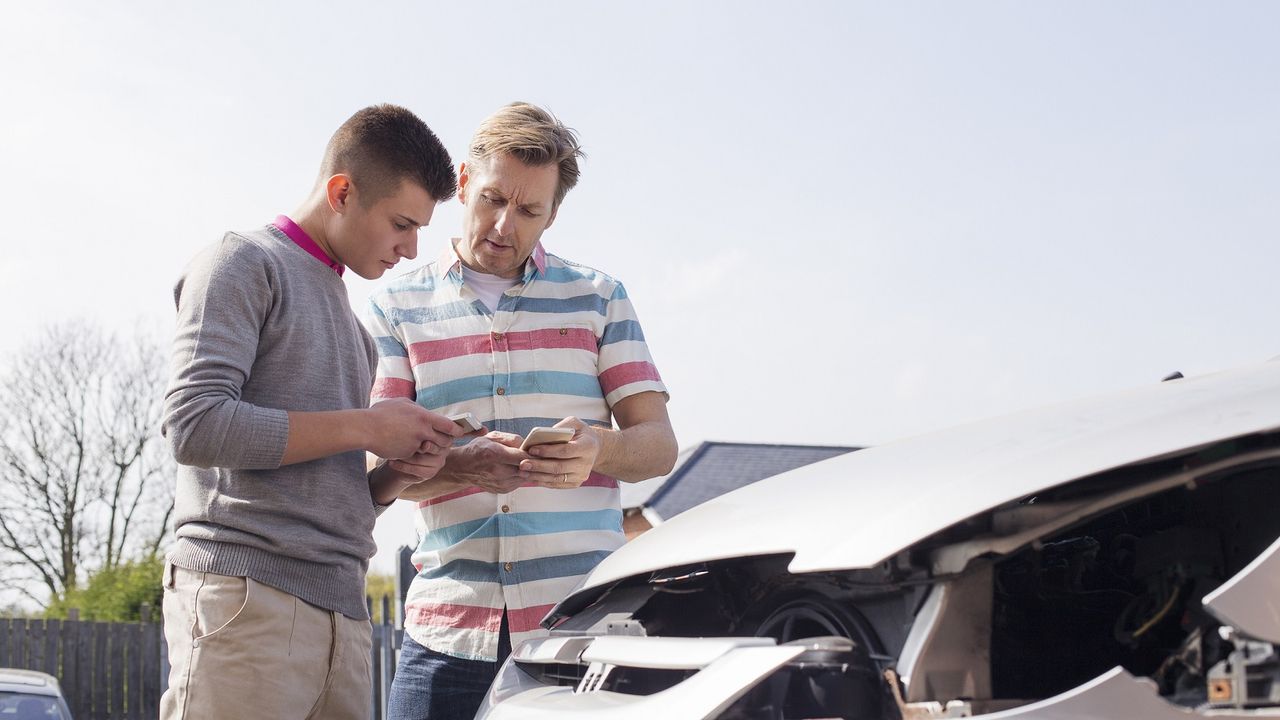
<point>300,238</point>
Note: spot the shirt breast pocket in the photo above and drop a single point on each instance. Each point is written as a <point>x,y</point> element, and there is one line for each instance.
<point>566,358</point>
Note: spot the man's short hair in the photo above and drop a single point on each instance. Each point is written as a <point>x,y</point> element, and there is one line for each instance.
<point>383,145</point>
<point>534,137</point>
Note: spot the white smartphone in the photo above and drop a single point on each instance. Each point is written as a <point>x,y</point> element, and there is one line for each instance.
<point>466,421</point>
<point>547,436</point>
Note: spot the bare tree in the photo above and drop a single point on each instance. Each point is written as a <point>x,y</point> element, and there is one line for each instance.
<point>85,480</point>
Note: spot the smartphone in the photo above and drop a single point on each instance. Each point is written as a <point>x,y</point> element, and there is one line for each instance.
<point>466,421</point>
<point>547,436</point>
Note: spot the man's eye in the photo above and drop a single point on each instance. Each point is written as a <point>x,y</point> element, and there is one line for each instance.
<point>401,227</point>
<point>490,199</point>
<point>528,213</point>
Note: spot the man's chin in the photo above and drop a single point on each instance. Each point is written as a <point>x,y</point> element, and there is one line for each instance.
<point>371,273</point>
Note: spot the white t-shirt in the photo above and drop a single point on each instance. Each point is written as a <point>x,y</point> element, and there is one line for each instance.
<point>488,287</point>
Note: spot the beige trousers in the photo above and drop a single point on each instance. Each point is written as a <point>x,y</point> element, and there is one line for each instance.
<point>241,649</point>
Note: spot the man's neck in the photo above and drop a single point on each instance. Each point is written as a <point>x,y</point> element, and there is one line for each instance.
<point>312,217</point>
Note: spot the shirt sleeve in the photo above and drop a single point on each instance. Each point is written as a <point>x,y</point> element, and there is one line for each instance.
<point>394,377</point>
<point>223,299</point>
<point>625,367</point>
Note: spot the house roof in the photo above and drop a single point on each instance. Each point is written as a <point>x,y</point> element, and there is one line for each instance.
<point>635,495</point>
<point>713,468</point>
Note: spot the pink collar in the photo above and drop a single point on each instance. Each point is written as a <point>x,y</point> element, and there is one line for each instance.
<point>304,241</point>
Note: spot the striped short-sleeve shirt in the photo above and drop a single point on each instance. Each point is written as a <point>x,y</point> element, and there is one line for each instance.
<point>563,341</point>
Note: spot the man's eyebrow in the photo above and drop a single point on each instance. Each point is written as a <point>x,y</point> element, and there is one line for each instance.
<point>409,220</point>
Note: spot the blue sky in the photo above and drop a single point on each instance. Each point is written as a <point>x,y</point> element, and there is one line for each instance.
<point>840,222</point>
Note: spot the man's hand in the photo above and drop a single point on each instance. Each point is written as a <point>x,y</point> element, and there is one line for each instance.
<point>564,465</point>
<point>401,428</point>
<point>491,463</point>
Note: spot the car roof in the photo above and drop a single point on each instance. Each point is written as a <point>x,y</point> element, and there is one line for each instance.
<point>859,509</point>
<point>28,681</point>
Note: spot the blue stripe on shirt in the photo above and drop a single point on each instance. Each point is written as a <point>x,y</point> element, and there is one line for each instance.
<point>475,387</point>
<point>416,281</point>
<point>521,572</point>
<point>580,303</point>
<point>433,313</point>
<point>620,331</point>
<point>517,524</point>
<point>390,347</point>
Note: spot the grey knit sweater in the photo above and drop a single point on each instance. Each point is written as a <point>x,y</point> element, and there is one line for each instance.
<point>264,328</point>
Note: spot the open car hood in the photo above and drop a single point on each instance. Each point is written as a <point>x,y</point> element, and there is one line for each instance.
<point>857,510</point>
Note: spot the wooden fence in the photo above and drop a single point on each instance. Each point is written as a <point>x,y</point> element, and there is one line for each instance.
<point>108,671</point>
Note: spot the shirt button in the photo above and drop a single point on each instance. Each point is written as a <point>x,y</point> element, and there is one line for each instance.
<point>506,508</point>
<point>564,331</point>
<point>506,566</point>
<point>502,391</point>
<point>497,336</point>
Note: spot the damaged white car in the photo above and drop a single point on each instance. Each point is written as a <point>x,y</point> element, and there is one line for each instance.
<point>1109,558</point>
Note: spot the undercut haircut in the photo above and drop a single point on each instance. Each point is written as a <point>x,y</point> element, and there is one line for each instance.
<point>384,145</point>
<point>534,137</point>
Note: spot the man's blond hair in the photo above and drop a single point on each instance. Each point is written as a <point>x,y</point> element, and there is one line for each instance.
<point>534,137</point>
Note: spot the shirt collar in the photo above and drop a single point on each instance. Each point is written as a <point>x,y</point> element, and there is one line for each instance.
<point>294,232</point>
<point>449,263</point>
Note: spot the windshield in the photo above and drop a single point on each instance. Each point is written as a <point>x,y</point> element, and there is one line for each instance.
<point>24,706</point>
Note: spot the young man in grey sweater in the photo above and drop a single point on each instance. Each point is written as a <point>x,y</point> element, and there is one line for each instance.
<point>267,413</point>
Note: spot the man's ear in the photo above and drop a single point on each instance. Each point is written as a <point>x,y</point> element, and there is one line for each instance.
<point>339,192</point>
<point>463,177</point>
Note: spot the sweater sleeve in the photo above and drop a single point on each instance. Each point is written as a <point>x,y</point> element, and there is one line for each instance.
<point>223,299</point>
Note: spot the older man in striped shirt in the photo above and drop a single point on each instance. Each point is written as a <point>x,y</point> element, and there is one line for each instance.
<point>520,338</point>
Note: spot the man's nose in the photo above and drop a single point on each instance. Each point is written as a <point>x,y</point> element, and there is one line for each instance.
<point>505,222</point>
<point>408,250</point>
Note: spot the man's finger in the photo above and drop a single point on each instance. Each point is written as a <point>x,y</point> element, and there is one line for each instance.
<point>505,439</point>
<point>559,451</point>
<point>445,426</point>
<point>545,467</point>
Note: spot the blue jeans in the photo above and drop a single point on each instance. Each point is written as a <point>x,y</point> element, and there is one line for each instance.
<point>434,686</point>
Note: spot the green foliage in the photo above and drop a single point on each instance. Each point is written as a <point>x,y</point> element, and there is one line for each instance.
<point>117,594</point>
<point>375,586</point>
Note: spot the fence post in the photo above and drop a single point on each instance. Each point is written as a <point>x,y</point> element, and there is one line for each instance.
<point>70,677</point>
<point>119,669</point>
<point>99,665</point>
<point>52,638</point>
<point>18,645</point>
<point>6,627</point>
<point>152,649</point>
<point>84,669</point>
<point>133,693</point>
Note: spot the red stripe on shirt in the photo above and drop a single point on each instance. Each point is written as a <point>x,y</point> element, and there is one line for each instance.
<point>595,479</point>
<point>558,338</point>
<point>627,373</point>
<point>451,496</point>
<point>462,617</point>
<point>435,350</point>
<point>525,619</point>
<point>545,338</point>
<point>389,387</point>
